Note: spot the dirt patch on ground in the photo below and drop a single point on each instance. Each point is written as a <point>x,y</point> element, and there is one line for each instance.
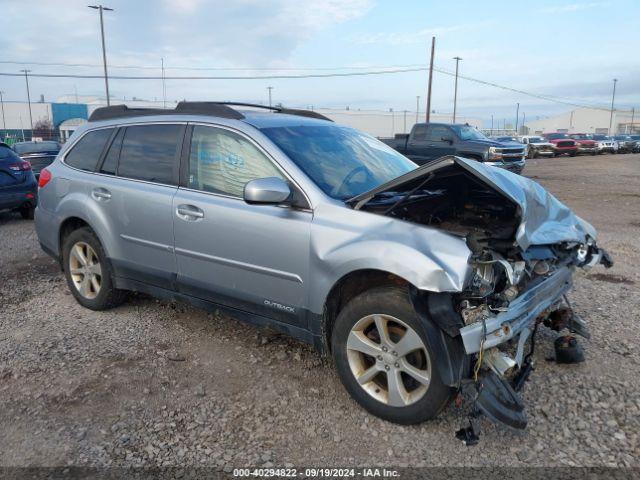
<point>610,278</point>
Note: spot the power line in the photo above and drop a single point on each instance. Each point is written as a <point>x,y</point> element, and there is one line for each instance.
<point>218,77</point>
<point>230,69</point>
<point>419,68</point>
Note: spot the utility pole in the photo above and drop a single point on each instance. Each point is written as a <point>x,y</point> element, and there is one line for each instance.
<point>417,107</point>
<point>433,49</point>
<point>269,88</point>
<point>4,123</point>
<point>101,8</point>
<point>455,91</point>
<point>523,118</point>
<point>164,87</point>
<point>633,114</point>
<point>405,122</point>
<point>26,79</point>
<point>517,115</point>
<point>613,97</point>
<point>393,122</point>
<point>491,133</point>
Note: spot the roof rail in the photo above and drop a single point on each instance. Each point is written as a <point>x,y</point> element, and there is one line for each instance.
<point>287,111</point>
<point>193,108</point>
<point>216,109</point>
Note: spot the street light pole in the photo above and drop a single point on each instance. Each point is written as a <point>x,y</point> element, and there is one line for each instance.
<point>101,8</point>
<point>455,92</point>
<point>26,79</point>
<point>4,123</point>
<point>517,115</point>
<point>269,88</point>
<point>164,87</point>
<point>613,97</point>
<point>417,107</point>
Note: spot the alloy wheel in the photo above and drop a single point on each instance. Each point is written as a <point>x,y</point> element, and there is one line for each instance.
<point>389,360</point>
<point>85,270</point>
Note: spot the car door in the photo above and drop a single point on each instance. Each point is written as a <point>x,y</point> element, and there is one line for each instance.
<point>418,149</point>
<point>440,141</point>
<point>14,174</point>
<point>250,257</point>
<point>132,194</point>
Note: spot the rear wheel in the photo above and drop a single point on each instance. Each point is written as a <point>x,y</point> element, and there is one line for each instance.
<point>27,212</point>
<point>380,347</point>
<point>88,271</point>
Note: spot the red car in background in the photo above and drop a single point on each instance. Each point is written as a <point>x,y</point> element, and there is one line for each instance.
<point>586,144</point>
<point>562,144</point>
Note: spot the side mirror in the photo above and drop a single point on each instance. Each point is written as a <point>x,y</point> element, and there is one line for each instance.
<point>267,191</point>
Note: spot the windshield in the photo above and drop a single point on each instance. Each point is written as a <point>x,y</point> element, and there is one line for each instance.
<point>465,132</point>
<point>341,161</point>
<point>36,147</point>
<point>601,137</point>
<point>579,136</point>
<point>555,136</point>
<point>536,140</point>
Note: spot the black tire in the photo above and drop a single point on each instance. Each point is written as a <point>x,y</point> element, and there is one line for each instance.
<point>395,302</point>
<point>108,296</point>
<point>27,212</point>
<point>573,154</point>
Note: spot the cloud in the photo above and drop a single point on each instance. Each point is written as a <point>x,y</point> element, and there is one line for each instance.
<point>574,7</point>
<point>406,38</point>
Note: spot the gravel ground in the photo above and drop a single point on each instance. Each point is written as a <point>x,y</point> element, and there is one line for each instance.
<point>160,384</point>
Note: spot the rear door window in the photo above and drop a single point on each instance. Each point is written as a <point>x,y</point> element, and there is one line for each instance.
<point>150,152</point>
<point>86,152</point>
<point>437,133</point>
<point>419,133</point>
<point>110,162</point>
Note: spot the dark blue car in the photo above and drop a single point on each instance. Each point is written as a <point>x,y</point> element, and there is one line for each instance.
<point>18,187</point>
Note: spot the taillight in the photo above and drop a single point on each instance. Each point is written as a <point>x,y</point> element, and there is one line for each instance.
<point>45,176</point>
<point>21,166</point>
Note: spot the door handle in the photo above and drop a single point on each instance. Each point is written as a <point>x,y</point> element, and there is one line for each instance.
<point>189,212</point>
<point>101,194</point>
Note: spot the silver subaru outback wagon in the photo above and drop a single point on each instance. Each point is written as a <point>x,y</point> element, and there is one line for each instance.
<point>419,282</point>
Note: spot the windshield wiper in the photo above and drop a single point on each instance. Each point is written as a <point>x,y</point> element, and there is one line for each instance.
<point>408,194</point>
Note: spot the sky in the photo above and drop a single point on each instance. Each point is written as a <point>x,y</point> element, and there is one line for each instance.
<point>570,50</point>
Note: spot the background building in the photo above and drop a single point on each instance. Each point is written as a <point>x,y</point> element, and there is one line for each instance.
<point>586,120</point>
<point>70,111</point>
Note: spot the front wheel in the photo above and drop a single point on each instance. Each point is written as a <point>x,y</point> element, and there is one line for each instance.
<point>88,271</point>
<point>380,348</point>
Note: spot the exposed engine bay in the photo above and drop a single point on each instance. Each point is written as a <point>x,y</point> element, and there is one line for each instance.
<point>525,246</point>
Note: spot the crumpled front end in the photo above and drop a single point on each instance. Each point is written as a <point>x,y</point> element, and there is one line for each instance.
<point>526,246</point>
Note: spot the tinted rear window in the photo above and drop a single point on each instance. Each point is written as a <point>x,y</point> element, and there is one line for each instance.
<point>149,152</point>
<point>36,147</point>
<point>86,153</point>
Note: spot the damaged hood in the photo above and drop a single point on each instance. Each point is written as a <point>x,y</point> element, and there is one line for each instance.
<point>544,220</point>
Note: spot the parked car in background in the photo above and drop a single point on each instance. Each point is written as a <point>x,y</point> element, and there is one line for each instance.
<point>636,145</point>
<point>537,146</point>
<point>585,143</point>
<point>505,139</point>
<point>428,142</point>
<point>625,143</point>
<point>606,144</point>
<point>562,144</point>
<point>416,280</point>
<point>18,188</point>
<point>38,154</point>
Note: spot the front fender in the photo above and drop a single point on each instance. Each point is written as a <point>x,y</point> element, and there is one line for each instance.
<point>351,240</point>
